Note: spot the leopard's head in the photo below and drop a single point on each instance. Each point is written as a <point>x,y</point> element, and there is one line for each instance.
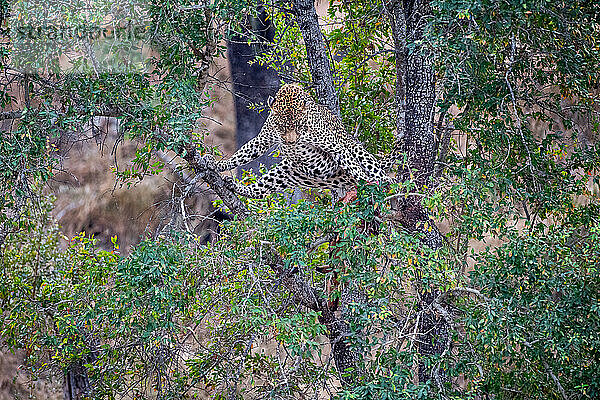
<point>289,106</point>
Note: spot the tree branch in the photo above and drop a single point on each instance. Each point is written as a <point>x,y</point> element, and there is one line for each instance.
<point>561,390</point>
<point>318,60</point>
<point>338,330</point>
<point>346,360</point>
<point>204,170</point>
<point>103,112</point>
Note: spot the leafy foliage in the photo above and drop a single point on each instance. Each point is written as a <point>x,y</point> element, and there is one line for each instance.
<point>543,304</point>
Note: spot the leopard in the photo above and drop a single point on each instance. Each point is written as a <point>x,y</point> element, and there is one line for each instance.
<point>315,149</point>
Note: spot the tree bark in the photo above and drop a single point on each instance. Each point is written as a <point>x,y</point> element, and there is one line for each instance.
<point>415,97</point>
<point>318,59</point>
<point>419,142</point>
<point>76,384</point>
<point>202,168</point>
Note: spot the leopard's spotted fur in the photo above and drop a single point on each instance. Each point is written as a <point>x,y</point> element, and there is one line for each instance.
<point>316,150</point>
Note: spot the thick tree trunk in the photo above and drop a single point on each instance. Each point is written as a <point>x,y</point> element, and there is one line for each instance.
<point>419,142</point>
<point>76,384</point>
<point>415,97</point>
<point>346,360</point>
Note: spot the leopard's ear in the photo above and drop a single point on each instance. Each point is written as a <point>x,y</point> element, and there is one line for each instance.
<point>270,100</point>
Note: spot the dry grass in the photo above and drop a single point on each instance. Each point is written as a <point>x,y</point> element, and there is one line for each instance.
<point>15,383</point>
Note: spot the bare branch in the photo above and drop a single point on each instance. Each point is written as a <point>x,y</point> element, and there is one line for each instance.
<point>203,170</point>
<point>563,394</point>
